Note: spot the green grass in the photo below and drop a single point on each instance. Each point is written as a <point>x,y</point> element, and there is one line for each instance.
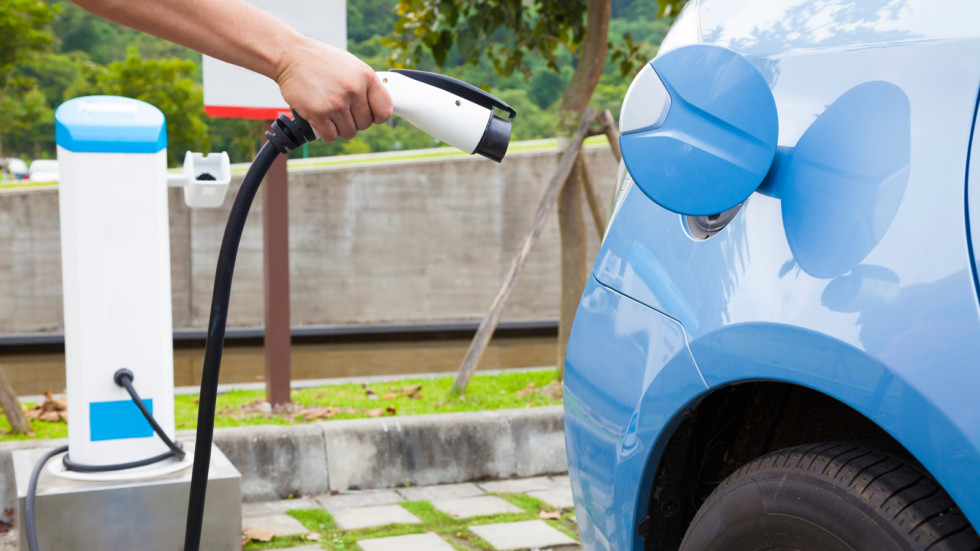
<point>13,185</point>
<point>506,390</point>
<point>450,529</point>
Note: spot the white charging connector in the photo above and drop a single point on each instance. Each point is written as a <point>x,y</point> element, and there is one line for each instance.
<point>449,110</point>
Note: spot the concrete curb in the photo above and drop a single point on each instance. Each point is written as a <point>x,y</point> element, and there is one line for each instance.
<point>359,454</point>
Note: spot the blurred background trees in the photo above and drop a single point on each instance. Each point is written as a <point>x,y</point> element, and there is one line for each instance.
<point>53,51</point>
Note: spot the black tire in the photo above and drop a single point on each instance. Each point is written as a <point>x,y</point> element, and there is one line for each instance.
<point>829,497</point>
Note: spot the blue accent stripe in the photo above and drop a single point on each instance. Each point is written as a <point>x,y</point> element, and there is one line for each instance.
<point>116,420</point>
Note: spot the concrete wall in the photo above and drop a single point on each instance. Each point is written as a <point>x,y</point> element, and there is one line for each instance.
<point>381,242</point>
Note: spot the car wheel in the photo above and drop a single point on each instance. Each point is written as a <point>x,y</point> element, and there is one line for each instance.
<point>830,496</point>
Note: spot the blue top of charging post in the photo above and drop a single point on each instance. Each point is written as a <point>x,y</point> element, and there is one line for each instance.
<point>109,124</point>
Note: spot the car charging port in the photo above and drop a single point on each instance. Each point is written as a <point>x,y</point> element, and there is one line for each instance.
<point>703,227</point>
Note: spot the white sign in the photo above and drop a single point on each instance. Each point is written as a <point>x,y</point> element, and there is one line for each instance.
<point>233,92</point>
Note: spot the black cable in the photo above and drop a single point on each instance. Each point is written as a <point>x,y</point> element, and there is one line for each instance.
<point>287,134</point>
<point>124,378</point>
<point>83,468</point>
<point>31,495</point>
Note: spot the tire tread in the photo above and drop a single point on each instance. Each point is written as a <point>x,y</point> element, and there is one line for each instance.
<point>897,489</point>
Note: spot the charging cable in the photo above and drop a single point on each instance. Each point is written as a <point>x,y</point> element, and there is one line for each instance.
<point>286,135</point>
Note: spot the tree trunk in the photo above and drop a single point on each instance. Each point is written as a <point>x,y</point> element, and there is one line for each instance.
<point>11,407</point>
<point>574,257</point>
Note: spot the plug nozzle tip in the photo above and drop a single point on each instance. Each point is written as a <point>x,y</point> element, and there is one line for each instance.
<point>495,139</point>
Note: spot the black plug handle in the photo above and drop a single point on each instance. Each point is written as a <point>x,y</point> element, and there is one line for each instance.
<point>462,89</point>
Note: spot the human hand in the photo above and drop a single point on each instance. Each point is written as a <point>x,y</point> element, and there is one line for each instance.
<point>337,93</point>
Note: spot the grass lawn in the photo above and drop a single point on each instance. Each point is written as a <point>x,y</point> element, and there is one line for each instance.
<point>507,390</point>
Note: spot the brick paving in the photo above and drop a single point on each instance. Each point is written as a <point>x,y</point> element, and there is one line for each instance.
<point>477,507</point>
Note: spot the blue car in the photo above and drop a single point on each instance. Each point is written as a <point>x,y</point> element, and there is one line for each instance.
<point>779,343</point>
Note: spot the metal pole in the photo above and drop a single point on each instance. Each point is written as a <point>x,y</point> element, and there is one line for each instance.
<point>275,225</point>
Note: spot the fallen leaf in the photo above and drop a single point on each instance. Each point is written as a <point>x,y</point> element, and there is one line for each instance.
<point>390,396</point>
<point>375,412</point>
<point>313,536</point>
<point>391,410</point>
<point>259,534</point>
<point>412,389</point>
<point>549,515</point>
<point>415,396</point>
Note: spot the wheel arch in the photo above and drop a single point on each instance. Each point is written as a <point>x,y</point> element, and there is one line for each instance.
<point>781,390</point>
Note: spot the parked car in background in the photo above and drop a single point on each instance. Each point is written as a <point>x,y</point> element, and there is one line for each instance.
<point>13,168</point>
<point>44,170</point>
<point>801,371</point>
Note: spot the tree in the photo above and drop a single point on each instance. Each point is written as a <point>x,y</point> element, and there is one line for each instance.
<point>509,32</point>
<point>167,84</point>
<point>23,35</point>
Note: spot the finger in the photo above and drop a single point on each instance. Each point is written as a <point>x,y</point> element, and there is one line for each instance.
<point>346,128</point>
<point>327,130</point>
<point>380,102</point>
<point>361,112</point>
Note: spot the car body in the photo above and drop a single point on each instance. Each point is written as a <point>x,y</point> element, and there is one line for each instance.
<point>839,302</point>
<point>44,170</point>
<point>15,168</point>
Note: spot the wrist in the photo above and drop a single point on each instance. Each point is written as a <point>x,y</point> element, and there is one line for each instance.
<point>294,45</point>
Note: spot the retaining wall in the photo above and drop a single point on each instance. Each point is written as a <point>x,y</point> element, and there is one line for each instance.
<point>379,242</point>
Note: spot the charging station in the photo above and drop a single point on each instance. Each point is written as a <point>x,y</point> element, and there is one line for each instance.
<point>115,242</point>
<point>124,472</point>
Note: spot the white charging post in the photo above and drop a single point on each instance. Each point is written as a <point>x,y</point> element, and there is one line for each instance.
<point>115,243</point>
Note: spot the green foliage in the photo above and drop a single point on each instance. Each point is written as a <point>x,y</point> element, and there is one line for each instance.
<point>669,8</point>
<point>369,18</point>
<point>523,51</point>
<point>23,30</point>
<point>505,32</point>
<point>23,37</point>
<point>167,84</point>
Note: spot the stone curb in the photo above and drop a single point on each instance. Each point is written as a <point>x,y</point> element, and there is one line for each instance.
<point>277,461</point>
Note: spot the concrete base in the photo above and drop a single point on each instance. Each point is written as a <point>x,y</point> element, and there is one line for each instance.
<point>144,514</point>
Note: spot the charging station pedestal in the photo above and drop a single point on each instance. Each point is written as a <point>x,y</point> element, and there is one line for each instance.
<point>144,515</point>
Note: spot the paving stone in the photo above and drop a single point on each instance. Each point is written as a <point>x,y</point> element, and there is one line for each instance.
<point>521,535</point>
<point>475,506</point>
<point>267,508</point>
<point>363,517</point>
<point>556,497</point>
<point>413,542</point>
<point>313,547</point>
<point>562,480</point>
<point>282,525</point>
<point>358,499</point>
<point>444,491</point>
<point>518,485</point>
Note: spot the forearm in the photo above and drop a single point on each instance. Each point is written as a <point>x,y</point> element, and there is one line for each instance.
<point>230,30</point>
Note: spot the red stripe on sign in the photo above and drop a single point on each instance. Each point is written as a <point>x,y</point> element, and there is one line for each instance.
<point>233,112</point>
